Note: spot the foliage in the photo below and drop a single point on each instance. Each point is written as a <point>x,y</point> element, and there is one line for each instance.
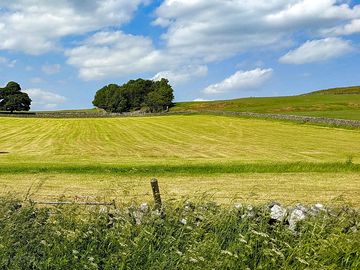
<point>134,95</point>
<point>12,99</point>
<point>190,236</point>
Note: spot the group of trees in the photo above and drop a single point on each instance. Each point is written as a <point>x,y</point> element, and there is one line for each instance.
<point>148,95</point>
<point>12,99</point>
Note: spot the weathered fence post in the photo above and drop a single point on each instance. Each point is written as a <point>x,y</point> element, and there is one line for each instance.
<point>156,193</point>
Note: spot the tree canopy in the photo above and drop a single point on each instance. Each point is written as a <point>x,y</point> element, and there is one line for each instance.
<point>12,99</point>
<point>135,95</point>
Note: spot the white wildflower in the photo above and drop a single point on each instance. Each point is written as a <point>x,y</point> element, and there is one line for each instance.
<point>183,221</point>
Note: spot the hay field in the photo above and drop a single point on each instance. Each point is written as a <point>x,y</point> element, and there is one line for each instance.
<point>224,157</point>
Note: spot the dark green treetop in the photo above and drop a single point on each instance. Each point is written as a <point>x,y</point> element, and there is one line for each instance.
<point>135,95</point>
<point>12,99</point>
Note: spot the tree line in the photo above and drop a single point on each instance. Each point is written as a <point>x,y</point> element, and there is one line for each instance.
<point>140,94</point>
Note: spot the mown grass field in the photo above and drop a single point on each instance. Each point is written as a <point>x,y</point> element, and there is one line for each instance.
<point>225,158</point>
<point>342,103</point>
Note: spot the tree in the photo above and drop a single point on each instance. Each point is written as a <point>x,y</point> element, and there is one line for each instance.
<point>12,99</point>
<point>135,95</point>
<point>161,97</point>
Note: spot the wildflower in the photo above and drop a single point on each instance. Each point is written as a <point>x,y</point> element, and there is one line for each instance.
<point>238,206</point>
<point>183,221</point>
<point>193,260</point>
<point>144,207</point>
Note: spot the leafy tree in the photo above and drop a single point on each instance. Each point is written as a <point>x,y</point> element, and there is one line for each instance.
<point>134,95</point>
<point>104,96</point>
<point>12,99</point>
<point>161,97</point>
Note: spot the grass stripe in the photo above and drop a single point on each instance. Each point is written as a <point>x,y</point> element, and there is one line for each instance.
<point>197,169</point>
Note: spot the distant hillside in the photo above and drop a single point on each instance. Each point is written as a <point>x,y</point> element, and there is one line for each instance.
<point>352,90</point>
<point>343,103</point>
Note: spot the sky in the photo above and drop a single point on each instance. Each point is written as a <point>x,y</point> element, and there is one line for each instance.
<point>61,52</point>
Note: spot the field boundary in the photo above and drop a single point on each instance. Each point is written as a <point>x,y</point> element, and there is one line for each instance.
<point>184,169</point>
<point>284,117</point>
<point>290,117</point>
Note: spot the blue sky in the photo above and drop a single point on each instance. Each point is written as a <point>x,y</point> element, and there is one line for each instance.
<point>62,52</point>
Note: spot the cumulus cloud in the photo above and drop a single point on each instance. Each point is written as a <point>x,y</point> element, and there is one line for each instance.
<point>35,27</point>
<point>51,69</point>
<point>347,29</point>
<point>182,75</point>
<point>42,99</point>
<point>213,30</point>
<point>311,13</point>
<point>317,50</point>
<point>196,33</point>
<point>241,80</point>
<point>106,54</point>
<point>203,31</point>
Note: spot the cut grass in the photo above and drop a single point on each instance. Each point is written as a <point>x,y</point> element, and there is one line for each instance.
<point>213,155</point>
<point>171,140</point>
<point>286,188</point>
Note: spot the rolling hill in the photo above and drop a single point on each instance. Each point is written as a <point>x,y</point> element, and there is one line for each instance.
<point>342,103</point>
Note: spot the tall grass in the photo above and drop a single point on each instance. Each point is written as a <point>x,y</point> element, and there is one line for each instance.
<point>189,236</point>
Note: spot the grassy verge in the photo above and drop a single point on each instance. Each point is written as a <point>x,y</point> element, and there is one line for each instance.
<point>185,169</point>
<point>197,236</point>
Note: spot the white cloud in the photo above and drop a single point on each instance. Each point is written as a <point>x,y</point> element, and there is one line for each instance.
<point>182,75</point>
<point>201,99</point>
<point>241,80</point>
<point>51,69</point>
<point>196,32</point>
<point>42,99</point>
<point>9,63</point>
<point>347,29</point>
<point>317,50</point>
<point>211,30</point>
<point>311,13</point>
<point>35,26</point>
<point>107,54</point>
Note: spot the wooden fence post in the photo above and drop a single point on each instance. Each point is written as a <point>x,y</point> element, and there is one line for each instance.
<point>156,193</point>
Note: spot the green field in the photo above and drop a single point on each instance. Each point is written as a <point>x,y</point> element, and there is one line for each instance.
<point>225,158</point>
<point>343,103</point>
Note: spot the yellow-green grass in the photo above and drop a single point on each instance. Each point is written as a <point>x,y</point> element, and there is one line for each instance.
<point>232,158</point>
<point>342,106</point>
<point>171,140</point>
<point>286,188</point>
